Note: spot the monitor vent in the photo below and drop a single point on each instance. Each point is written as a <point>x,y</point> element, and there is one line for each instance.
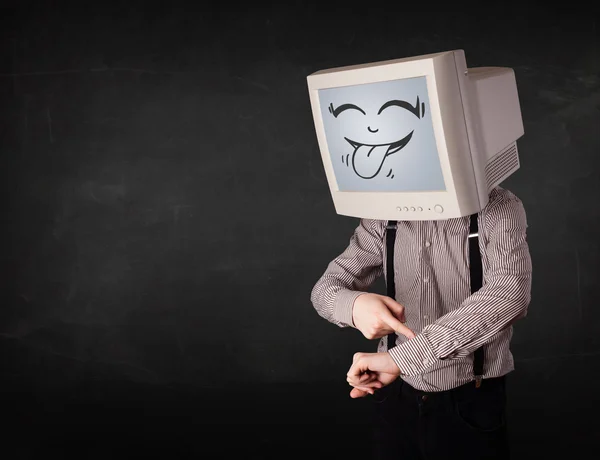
<point>502,165</point>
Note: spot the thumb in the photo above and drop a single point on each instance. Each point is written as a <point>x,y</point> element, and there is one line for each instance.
<point>356,393</point>
<point>396,325</point>
<point>396,309</point>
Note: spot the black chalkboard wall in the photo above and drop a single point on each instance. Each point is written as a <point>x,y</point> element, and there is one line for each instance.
<point>166,214</point>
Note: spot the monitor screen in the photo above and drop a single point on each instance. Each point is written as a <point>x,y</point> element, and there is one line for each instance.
<point>380,137</point>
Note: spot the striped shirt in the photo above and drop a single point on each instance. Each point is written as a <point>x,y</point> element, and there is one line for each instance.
<point>431,262</point>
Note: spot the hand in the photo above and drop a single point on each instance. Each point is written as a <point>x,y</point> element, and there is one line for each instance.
<point>377,316</point>
<point>370,371</point>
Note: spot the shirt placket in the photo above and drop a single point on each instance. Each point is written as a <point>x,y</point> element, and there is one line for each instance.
<point>425,288</point>
<point>426,273</point>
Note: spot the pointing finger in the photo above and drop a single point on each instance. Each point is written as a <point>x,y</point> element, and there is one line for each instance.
<point>396,325</point>
<point>396,309</point>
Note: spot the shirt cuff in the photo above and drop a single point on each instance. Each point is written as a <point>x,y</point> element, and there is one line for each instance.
<point>343,305</point>
<point>414,356</point>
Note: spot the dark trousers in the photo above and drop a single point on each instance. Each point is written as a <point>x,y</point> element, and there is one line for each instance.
<point>463,423</point>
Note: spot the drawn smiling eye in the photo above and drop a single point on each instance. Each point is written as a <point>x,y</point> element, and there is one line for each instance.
<point>341,108</point>
<point>414,109</point>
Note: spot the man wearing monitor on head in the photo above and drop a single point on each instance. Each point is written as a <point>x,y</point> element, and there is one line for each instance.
<point>456,283</point>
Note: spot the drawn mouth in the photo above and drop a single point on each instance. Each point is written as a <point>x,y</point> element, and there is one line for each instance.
<point>368,159</point>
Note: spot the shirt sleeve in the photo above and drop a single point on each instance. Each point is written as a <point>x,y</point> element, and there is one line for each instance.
<point>504,297</point>
<point>350,274</point>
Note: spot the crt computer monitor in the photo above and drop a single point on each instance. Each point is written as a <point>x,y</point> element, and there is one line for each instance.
<point>420,138</point>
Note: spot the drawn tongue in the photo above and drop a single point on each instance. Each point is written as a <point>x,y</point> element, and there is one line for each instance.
<point>368,160</point>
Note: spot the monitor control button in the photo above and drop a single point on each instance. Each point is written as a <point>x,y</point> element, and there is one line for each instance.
<point>438,208</point>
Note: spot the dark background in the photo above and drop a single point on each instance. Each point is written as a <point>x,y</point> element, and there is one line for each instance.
<point>166,214</point>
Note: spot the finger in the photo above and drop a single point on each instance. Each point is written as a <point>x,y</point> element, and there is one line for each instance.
<point>358,368</point>
<point>374,383</point>
<point>356,357</point>
<point>366,389</point>
<point>356,393</point>
<point>362,391</point>
<point>371,380</point>
<point>354,382</point>
<point>396,325</point>
<point>367,377</point>
<point>396,309</point>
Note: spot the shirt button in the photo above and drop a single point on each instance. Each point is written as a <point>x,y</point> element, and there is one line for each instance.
<point>427,244</point>
<point>426,280</point>
<point>456,343</point>
<point>425,316</point>
<point>426,361</point>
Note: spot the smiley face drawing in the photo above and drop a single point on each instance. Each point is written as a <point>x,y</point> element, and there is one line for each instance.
<point>369,158</point>
<point>380,136</point>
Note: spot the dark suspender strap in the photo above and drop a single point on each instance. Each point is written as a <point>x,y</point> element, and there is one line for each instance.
<point>390,239</point>
<point>476,271</point>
